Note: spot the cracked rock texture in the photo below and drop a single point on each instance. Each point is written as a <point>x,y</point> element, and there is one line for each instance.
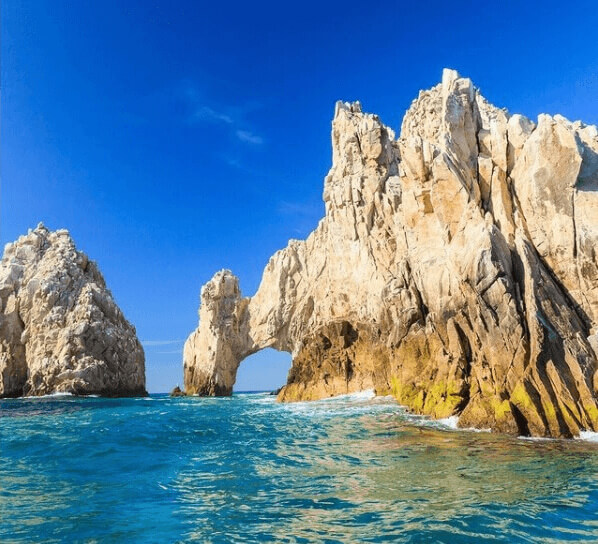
<point>60,329</point>
<point>455,268</point>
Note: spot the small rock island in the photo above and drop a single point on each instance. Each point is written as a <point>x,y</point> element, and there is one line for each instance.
<point>60,329</point>
<point>455,268</point>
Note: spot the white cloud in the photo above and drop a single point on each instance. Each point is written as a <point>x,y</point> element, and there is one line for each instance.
<point>249,137</point>
<point>149,343</point>
<point>202,110</point>
<point>209,114</point>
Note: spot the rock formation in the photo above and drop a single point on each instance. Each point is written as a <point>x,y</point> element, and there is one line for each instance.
<point>177,392</point>
<point>455,268</point>
<point>60,329</point>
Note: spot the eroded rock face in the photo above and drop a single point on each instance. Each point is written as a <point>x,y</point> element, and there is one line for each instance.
<point>455,268</point>
<point>60,329</point>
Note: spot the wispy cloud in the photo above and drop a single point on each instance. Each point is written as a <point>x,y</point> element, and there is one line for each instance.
<point>149,343</point>
<point>202,110</point>
<point>249,137</point>
<point>233,162</point>
<point>206,113</point>
<point>170,352</point>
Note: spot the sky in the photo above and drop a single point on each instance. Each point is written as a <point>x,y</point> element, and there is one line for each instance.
<point>174,139</point>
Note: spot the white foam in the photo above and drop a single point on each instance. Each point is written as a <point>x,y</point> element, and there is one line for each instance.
<point>267,399</point>
<point>367,394</point>
<point>451,422</point>
<point>53,395</point>
<point>474,430</point>
<point>589,436</point>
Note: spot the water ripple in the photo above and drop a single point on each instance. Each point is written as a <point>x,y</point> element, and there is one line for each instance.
<point>247,469</point>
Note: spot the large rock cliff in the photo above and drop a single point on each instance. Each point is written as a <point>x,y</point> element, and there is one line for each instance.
<point>455,268</point>
<point>60,329</point>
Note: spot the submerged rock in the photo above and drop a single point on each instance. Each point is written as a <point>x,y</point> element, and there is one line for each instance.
<point>455,268</point>
<point>60,329</point>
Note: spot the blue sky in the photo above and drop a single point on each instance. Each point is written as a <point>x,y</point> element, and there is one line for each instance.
<point>174,139</point>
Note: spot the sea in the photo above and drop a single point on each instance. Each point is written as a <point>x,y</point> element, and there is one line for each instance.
<point>356,468</point>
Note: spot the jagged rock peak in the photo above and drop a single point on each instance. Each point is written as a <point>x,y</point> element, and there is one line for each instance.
<point>455,267</point>
<point>60,329</point>
<point>351,107</point>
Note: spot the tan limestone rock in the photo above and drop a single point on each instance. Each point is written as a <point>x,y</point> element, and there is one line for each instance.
<point>60,329</point>
<point>455,267</point>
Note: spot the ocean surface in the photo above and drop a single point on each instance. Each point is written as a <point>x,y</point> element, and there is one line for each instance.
<point>247,469</point>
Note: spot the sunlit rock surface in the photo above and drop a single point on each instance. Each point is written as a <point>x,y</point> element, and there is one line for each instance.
<point>455,268</point>
<point>60,329</point>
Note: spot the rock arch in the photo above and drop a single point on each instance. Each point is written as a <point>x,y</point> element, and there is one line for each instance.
<point>454,268</point>
<point>213,353</point>
<point>237,327</point>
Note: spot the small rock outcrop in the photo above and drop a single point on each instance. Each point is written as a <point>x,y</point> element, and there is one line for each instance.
<point>177,392</point>
<point>455,268</point>
<point>60,329</point>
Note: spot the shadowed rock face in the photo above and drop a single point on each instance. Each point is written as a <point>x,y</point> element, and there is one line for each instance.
<point>60,329</point>
<point>455,268</point>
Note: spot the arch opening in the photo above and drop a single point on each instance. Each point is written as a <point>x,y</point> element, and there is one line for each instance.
<point>265,370</point>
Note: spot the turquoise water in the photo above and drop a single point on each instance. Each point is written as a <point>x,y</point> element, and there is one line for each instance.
<point>246,469</point>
